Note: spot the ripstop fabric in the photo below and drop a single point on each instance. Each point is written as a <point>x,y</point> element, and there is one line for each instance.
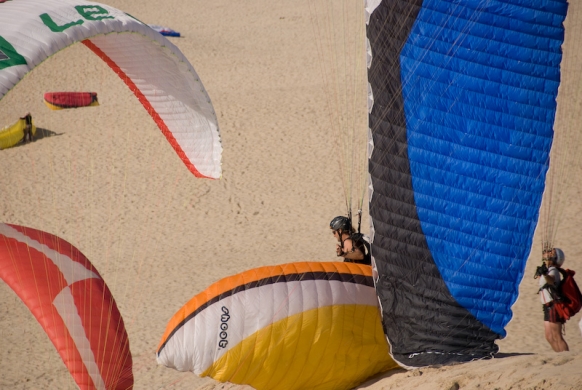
<point>72,303</point>
<point>462,100</point>
<point>153,68</point>
<point>292,326</point>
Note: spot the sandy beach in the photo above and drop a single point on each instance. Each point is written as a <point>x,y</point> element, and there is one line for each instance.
<point>105,179</point>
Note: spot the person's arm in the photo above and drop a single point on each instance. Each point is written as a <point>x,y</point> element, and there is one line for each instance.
<point>551,276</point>
<point>349,251</point>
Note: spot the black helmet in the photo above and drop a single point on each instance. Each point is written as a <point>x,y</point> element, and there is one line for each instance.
<point>340,222</point>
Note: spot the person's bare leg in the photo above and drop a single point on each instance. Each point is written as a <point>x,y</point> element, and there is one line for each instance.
<point>553,332</point>
<point>548,333</point>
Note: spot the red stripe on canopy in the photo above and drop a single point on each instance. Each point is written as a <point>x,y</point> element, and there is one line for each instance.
<point>147,105</point>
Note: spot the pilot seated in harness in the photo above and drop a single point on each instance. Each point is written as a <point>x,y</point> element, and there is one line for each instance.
<point>353,247</point>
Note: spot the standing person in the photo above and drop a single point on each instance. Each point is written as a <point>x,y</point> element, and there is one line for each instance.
<point>351,245</point>
<point>549,281</point>
<point>27,128</point>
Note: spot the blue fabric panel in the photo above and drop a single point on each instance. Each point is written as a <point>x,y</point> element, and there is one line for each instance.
<point>480,81</point>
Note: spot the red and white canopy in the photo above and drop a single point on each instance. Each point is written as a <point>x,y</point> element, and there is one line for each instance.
<point>72,303</point>
<point>152,67</point>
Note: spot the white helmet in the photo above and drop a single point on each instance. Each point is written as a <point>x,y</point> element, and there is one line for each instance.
<point>560,257</point>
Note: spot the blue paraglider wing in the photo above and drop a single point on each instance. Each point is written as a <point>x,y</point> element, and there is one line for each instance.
<point>463,100</point>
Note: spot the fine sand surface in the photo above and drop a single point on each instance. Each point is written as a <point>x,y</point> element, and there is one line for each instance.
<point>105,179</point>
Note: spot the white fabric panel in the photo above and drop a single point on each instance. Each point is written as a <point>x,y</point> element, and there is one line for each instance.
<point>368,55</point>
<point>370,6</point>
<point>65,305</point>
<point>250,311</point>
<point>71,270</point>
<point>22,27</point>
<point>169,85</point>
<point>169,81</point>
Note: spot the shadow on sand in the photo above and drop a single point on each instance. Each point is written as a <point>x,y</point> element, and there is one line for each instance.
<point>379,377</point>
<point>511,354</point>
<point>388,374</point>
<point>40,134</point>
<point>44,133</point>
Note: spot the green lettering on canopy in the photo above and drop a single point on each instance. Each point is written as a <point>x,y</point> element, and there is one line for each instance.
<point>93,12</point>
<point>9,56</point>
<point>50,23</point>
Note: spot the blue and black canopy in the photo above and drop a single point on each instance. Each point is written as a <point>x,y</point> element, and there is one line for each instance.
<point>462,107</point>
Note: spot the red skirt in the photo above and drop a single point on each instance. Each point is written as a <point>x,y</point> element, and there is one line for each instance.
<point>551,314</point>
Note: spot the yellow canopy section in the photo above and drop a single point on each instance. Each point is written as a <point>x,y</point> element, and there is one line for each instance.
<point>293,326</point>
<point>13,134</point>
<point>333,347</point>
